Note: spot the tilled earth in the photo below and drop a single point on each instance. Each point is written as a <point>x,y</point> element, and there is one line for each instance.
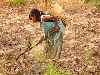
<point>81,50</point>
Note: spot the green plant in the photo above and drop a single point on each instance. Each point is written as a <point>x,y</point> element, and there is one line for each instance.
<point>52,70</point>
<point>35,1</point>
<point>88,56</point>
<point>94,2</point>
<point>37,52</point>
<point>17,2</point>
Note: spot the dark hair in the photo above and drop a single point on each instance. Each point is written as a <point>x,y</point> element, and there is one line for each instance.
<point>37,13</point>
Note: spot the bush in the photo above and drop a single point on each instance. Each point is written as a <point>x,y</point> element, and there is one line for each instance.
<point>52,70</point>
<point>17,2</point>
<point>94,2</point>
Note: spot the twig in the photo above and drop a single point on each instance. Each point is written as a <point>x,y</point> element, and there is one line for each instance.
<point>30,47</point>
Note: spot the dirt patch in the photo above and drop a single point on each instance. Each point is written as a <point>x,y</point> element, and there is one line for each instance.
<point>81,52</point>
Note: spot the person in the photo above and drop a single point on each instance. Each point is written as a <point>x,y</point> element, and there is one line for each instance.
<point>53,29</point>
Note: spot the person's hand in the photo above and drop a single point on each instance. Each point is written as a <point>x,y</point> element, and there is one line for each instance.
<point>55,29</point>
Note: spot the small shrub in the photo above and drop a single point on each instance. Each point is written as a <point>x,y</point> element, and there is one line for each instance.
<point>52,70</point>
<point>17,2</point>
<point>88,56</point>
<point>35,1</point>
<point>37,52</point>
<point>93,2</point>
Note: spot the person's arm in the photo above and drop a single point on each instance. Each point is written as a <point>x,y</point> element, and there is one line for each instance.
<point>41,40</point>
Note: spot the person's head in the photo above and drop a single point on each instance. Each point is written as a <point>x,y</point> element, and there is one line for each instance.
<point>35,15</point>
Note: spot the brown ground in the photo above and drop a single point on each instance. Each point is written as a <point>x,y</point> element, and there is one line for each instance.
<point>81,52</point>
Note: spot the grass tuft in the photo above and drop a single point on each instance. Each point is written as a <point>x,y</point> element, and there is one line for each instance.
<point>88,56</point>
<point>17,2</point>
<point>52,70</point>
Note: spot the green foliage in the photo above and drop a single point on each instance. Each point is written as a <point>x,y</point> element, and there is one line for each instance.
<point>52,70</point>
<point>37,53</point>
<point>35,1</point>
<point>17,2</point>
<point>94,2</point>
<point>85,1</point>
<point>88,56</point>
